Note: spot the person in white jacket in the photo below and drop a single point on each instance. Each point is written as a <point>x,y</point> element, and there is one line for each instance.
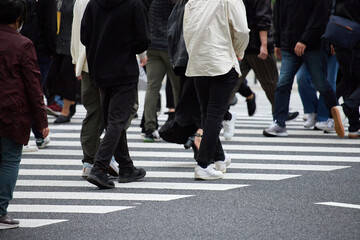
<point>216,35</point>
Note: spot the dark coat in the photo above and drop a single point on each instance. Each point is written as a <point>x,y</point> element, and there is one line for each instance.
<point>258,14</point>
<point>40,26</point>
<point>65,8</point>
<point>113,32</point>
<point>21,95</point>
<point>300,21</point>
<point>159,13</point>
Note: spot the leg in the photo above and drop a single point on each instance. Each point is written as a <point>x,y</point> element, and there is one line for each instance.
<point>91,125</point>
<point>10,156</point>
<point>306,90</point>
<point>213,94</point>
<point>155,73</point>
<point>290,64</point>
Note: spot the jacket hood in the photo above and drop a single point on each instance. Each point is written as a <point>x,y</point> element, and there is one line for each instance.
<point>108,4</point>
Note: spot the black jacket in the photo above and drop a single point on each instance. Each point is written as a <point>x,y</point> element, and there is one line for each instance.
<point>159,13</point>
<point>349,9</point>
<point>65,8</point>
<point>113,32</point>
<point>258,13</point>
<point>299,21</point>
<point>40,26</point>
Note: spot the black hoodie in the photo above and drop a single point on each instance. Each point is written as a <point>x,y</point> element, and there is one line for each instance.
<point>113,32</point>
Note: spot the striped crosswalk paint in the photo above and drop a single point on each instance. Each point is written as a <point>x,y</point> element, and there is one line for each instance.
<point>54,173</point>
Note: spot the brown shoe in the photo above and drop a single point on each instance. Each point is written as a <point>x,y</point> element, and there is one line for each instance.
<point>339,117</point>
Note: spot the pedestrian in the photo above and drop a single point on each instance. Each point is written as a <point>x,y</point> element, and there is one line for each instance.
<point>349,61</point>
<point>216,36</point>
<point>111,46</point>
<point>299,26</point>
<point>61,78</point>
<point>21,100</point>
<point>158,64</point>
<point>40,28</point>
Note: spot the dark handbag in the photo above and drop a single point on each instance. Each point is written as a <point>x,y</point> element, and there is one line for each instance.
<point>173,132</point>
<point>342,32</point>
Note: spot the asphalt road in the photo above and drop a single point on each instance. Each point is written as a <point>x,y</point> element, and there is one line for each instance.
<point>304,186</point>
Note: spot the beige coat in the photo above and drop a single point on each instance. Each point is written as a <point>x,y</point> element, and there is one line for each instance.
<point>216,35</point>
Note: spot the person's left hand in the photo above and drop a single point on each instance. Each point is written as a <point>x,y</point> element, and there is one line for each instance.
<point>263,52</point>
<point>299,49</point>
<point>143,61</point>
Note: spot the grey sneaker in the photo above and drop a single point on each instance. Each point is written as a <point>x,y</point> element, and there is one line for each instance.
<point>275,131</point>
<point>222,165</point>
<point>7,222</point>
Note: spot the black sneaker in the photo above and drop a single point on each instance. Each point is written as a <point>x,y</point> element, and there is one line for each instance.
<point>292,115</point>
<point>100,179</point>
<point>7,222</point>
<point>137,174</point>
<point>251,105</point>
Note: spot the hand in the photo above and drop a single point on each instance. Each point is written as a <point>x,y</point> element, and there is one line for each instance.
<point>143,61</point>
<point>79,77</point>
<point>45,132</point>
<point>299,49</point>
<point>278,52</point>
<point>263,52</point>
<point>332,50</point>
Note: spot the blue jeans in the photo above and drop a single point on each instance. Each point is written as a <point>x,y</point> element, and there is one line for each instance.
<point>10,156</point>
<point>308,92</point>
<point>316,61</point>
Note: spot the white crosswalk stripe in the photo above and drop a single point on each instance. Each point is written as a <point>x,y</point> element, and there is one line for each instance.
<point>53,174</point>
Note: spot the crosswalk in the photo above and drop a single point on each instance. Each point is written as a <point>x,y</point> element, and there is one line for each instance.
<point>50,179</point>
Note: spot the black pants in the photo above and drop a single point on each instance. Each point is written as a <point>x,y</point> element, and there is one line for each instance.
<point>117,104</point>
<point>213,93</point>
<point>349,65</point>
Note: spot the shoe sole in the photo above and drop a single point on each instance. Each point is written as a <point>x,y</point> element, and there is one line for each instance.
<point>197,177</point>
<point>133,179</point>
<point>8,226</point>
<point>339,127</point>
<point>148,140</point>
<point>51,112</point>
<point>94,180</point>
<point>354,136</point>
<point>265,133</point>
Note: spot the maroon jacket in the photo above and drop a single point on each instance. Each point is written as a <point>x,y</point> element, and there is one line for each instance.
<point>21,95</point>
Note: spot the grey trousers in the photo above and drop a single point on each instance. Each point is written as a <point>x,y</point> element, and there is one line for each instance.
<point>158,64</point>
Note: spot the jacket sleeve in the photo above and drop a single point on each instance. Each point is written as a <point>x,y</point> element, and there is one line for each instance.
<point>262,15</point>
<point>276,20</point>
<point>86,26</point>
<point>238,23</point>
<point>140,43</point>
<point>316,23</point>
<point>32,85</point>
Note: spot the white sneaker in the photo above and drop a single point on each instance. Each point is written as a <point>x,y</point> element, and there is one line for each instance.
<point>86,169</point>
<point>28,148</point>
<point>330,126</point>
<point>208,173</point>
<point>113,168</point>
<point>321,125</point>
<point>339,120</point>
<point>222,165</point>
<point>310,121</point>
<point>305,116</point>
<point>229,127</point>
<point>275,130</point>
<point>42,142</point>
<point>156,135</point>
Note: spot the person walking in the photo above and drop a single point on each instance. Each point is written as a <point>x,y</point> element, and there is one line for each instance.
<point>213,61</point>
<point>22,104</point>
<point>299,26</point>
<point>111,48</point>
